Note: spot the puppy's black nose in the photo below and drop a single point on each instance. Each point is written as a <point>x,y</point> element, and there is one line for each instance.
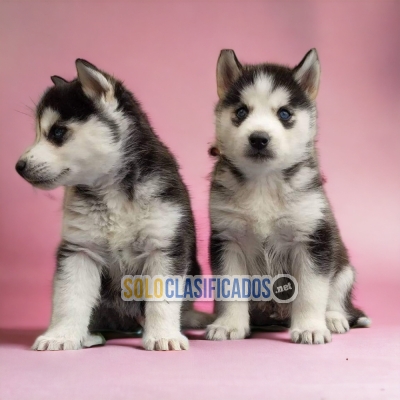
<point>20,166</point>
<point>259,140</point>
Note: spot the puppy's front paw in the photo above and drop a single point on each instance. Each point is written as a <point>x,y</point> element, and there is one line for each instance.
<point>222,329</point>
<point>311,335</point>
<point>336,322</point>
<point>165,342</point>
<point>52,342</point>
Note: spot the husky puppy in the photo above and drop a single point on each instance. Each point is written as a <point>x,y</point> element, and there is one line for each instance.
<point>269,212</point>
<point>126,211</point>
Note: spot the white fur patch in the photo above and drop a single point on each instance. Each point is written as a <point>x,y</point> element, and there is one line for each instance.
<point>340,286</point>
<point>363,322</point>
<point>88,155</point>
<point>48,119</point>
<point>76,291</point>
<point>162,318</point>
<point>308,323</point>
<point>133,230</point>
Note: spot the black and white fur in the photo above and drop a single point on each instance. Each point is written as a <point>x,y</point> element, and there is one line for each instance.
<point>126,211</point>
<point>269,212</point>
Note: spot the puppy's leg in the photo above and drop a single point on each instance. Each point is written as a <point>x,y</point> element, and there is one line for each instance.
<point>76,291</point>
<point>233,320</point>
<point>162,318</point>
<point>341,314</point>
<point>308,310</point>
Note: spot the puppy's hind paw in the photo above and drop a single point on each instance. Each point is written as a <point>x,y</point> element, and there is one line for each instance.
<point>336,322</point>
<point>94,339</point>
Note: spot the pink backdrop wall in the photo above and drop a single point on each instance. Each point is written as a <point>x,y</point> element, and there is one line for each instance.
<point>166,53</point>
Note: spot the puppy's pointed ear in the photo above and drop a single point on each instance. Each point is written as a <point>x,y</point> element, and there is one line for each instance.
<point>58,81</point>
<point>308,72</point>
<point>228,71</point>
<point>94,83</point>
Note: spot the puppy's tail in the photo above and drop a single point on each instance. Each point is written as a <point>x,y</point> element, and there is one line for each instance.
<point>358,319</point>
<point>193,319</point>
<point>362,322</point>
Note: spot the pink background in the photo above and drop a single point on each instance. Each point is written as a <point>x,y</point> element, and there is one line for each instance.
<point>166,52</point>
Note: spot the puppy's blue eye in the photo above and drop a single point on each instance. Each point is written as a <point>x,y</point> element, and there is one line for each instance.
<point>57,133</point>
<point>284,114</point>
<point>241,113</point>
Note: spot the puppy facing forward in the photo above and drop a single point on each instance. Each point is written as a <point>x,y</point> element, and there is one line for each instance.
<point>126,211</point>
<point>269,212</point>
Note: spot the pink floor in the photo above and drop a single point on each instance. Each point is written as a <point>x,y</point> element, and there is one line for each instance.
<point>363,364</point>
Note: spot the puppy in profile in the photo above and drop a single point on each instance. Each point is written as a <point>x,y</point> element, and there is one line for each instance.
<point>269,211</point>
<point>126,211</point>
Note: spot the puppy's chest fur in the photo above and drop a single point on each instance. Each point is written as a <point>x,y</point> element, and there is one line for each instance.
<point>118,229</point>
<point>265,212</point>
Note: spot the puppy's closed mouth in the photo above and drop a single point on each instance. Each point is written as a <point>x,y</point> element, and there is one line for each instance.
<point>258,155</point>
<point>46,182</point>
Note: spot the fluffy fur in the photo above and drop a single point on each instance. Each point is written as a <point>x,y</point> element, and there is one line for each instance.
<point>269,211</point>
<point>126,211</point>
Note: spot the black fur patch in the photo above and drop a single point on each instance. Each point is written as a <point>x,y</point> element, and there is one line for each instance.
<point>281,76</point>
<point>112,125</point>
<point>217,248</point>
<point>353,313</point>
<point>106,318</point>
<point>171,192</point>
<point>69,101</point>
<point>288,173</point>
<point>64,251</point>
<point>86,193</point>
<point>311,163</point>
<point>221,189</point>
<point>145,154</point>
<point>315,183</point>
<point>259,155</point>
<point>321,247</point>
